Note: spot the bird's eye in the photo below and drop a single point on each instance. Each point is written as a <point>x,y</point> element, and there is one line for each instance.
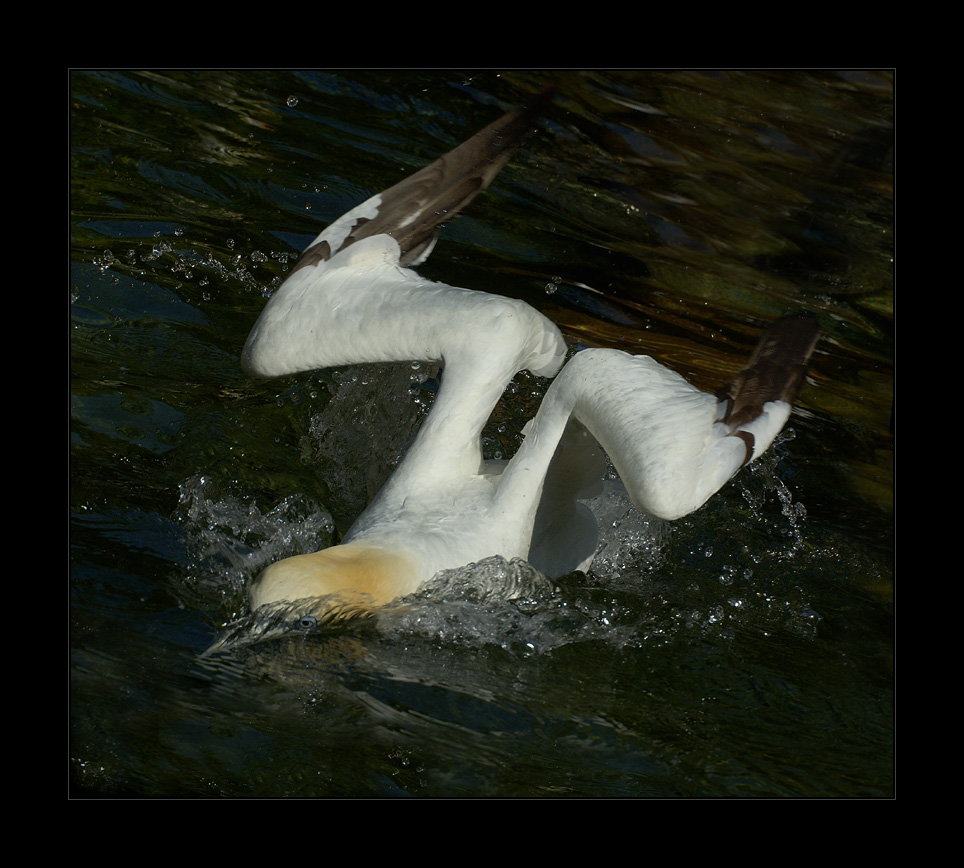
<point>307,622</point>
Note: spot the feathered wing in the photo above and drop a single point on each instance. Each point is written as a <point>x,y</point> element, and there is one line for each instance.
<point>371,248</point>
<point>351,299</point>
<point>690,443</point>
<point>673,445</point>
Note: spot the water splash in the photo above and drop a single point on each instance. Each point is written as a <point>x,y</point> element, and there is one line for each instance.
<point>761,479</point>
<point>628,538</point>
<point>360,435</point>
<point>229,539</point>
<point>462,604</point>
<point>493,578</point>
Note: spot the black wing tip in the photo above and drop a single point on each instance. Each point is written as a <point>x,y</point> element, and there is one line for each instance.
<point>507,132</point>
<point>806,323</point>
<point>790,339</point>
<point>776,370</point>
<point>441,191</point>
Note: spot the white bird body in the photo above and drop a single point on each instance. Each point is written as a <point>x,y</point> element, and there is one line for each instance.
<point>352,299</point>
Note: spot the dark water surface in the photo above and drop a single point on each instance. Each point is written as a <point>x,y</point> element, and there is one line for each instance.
<point>745,650</point>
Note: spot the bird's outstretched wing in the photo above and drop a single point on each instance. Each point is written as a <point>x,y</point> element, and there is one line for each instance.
<point>353,298</point>
<point>691,443</point>
<point>673,445</point>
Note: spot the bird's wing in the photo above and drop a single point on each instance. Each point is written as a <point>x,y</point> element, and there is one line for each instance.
<point>675,446</point>
<point>350,297</point>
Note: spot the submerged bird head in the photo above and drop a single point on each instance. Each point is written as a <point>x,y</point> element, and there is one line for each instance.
<point>341,583</point>
<point>358,574</point>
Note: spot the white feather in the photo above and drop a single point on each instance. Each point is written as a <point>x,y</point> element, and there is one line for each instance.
<point>351,300</point>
